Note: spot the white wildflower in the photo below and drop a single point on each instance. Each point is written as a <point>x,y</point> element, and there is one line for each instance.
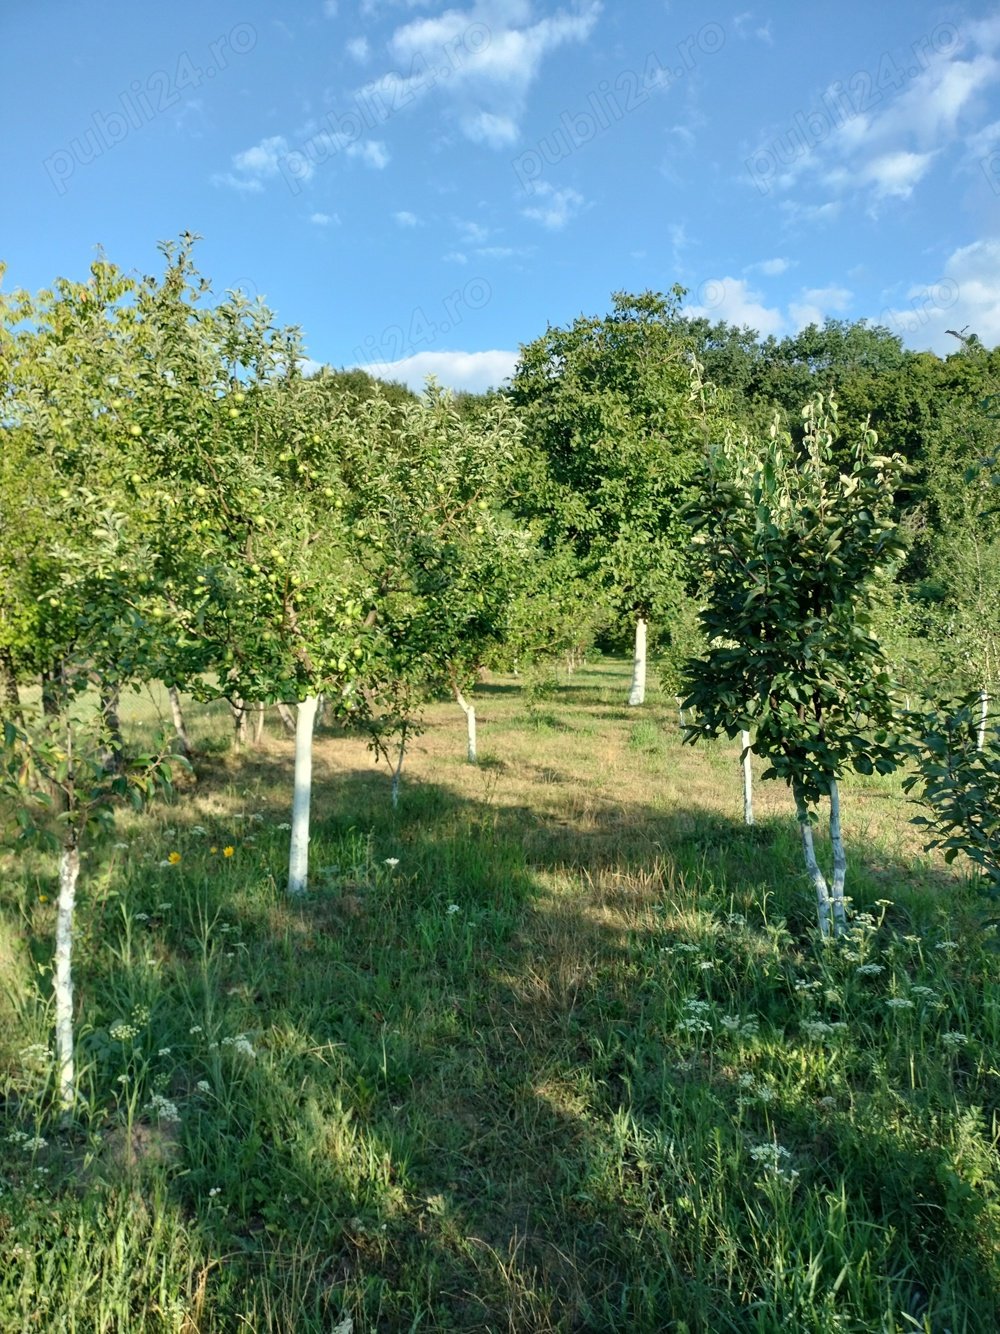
<point>954,1040</point>
<point>899,1003</point>
<point>453,908</point>
<point>392,862</point>
<point>162,1108</point>
<point>203,1086</point>
<point>241,1043</point>
<point>869,970</point>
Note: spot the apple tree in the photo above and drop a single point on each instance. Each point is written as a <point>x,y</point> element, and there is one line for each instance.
<point>791,537</point>
<point>612,410</point>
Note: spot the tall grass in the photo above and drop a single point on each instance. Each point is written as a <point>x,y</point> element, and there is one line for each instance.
<point>551,1048</point>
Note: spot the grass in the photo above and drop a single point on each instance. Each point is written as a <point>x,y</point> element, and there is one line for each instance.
<point>553,1047</point>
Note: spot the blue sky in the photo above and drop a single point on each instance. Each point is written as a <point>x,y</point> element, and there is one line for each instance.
<point>423,186</point>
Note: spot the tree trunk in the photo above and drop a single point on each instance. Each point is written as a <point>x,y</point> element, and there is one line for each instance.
<point>831,904</point>
<point>298,856</point>
<point>287,718</point>
<point>10,699</point>
<point>174,695</point>
<point>470,717</point>
<point>397,774</point>
<point>839,862</point>
<point>815,875</point>
<point>984,704</point>
<point>53,691</point>
<point>114,750</point>
<point>258,731</point>
<point>747,779</point>
<point>241,720</point>
<point>69,874</point>
<point>637,694</point>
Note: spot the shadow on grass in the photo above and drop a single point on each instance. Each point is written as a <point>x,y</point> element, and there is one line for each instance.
<point>481,1097</point>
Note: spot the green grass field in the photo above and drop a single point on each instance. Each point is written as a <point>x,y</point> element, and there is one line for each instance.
<point>553,1047</point>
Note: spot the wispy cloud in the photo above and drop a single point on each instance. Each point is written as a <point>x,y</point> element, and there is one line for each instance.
<point>555,207</point>
<point>878,138</point>
<point>479,61</point>
<point>771,268</point>
<point>404,218</point>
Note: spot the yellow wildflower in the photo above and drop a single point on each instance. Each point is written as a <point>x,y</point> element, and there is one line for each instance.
<point>228,852</point>
<point>213,849</point>
<point>43,898</point>
<point>173,858</point>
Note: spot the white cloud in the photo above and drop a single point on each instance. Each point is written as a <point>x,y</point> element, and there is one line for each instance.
<point>558,206</point>
<point>735,302</point>
<point>323,219</point>
<point>897,173</point>
<point>864,139</point>
<point>771,268</point>
<point>816,305</point>
<point>481,60</point>
<point>473,231</point>
<point>330,8</point>
<point>264,158</point>
<point>372,152</point>
<point>474,371</point>
<point>246,185</point>
<point>404,218</point>
<point>359,50</point>
<point>484,127</point>
<point>966,293</point>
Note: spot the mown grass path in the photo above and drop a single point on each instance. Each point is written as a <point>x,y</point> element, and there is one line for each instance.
<point>551,1048</point>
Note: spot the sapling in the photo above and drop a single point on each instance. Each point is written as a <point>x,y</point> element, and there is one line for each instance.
<point>791,537</point>
<point>54,772</point>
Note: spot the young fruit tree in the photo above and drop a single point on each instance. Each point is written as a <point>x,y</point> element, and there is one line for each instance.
<point>791,537</point>
<point>958,780</point>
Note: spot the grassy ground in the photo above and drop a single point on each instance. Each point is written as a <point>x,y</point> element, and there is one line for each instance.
<point>551,1048</point>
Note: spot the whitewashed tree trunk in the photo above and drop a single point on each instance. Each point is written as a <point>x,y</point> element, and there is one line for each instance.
<point>177,713</point>
<point>69,874</point>
<point>298,856</point>
<point>258,731</point>
<point>831,903</point>
<point>984,705</point>
<point>637,694</point>
<point>470,717</point>
<point>397,773</point>
<point>839,862</point>
<point>815,875</point>
<point>747,779</point>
